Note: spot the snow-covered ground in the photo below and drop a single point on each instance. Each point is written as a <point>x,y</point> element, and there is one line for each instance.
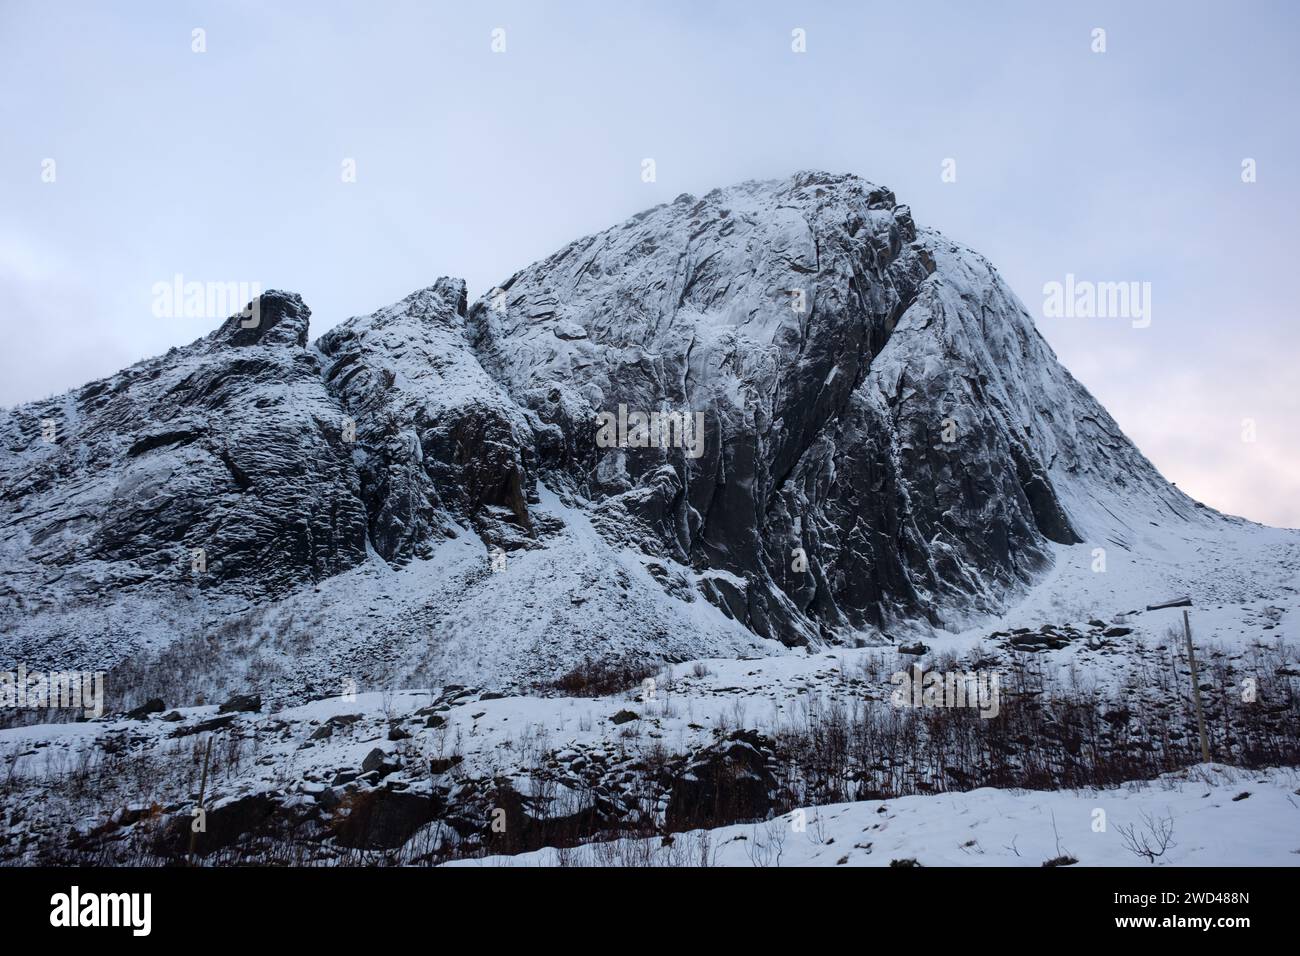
<point>1245,599</point>
<point>1213,816</point>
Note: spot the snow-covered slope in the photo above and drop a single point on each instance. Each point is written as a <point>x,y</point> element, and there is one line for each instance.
<point>412,776</point>
<point>1211,816</point>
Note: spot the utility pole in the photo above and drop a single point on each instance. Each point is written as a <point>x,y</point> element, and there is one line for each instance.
<point>1196,690</point>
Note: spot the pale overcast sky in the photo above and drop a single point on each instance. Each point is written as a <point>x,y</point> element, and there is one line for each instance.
<point>226,165</point>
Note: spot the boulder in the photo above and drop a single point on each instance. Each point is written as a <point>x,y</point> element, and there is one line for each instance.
<point>382,818</point>
<point>377,759</point>
<point>152,706</point>
<point>241,703</point>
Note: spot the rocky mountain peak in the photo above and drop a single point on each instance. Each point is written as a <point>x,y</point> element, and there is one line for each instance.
<point>274,318</point>
<point>828,346</point>
<point>445,303</point>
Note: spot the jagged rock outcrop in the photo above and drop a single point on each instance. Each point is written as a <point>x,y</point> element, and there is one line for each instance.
<point>230,446</point>
<point>439,440</point>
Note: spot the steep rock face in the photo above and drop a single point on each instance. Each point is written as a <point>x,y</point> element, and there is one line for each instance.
<point>230,445</point>
<point>885,432</point>
<point>438,440</point>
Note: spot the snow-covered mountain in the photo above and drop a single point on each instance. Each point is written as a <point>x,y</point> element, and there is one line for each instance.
<point>439,569</point>
<point>886,442</point>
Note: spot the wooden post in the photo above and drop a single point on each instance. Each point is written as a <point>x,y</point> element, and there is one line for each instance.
<point>203,786</point>
<point>1196,690</point>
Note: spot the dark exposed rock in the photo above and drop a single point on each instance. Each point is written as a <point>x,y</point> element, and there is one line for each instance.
<point>623,716</point>
<point>375,760</point>
<point>337,722</point>
<point>1031,641</point>
<point>439,765</point>
<point>525,823</point>
<point>241,703</point>
<point>919,435</point>
<point>724,783</point>
<point>205,726</point>
<point>1116,631</point>
<point>382,818</point>
<point>229,445</point>
<point>227,825</point>
<point>152,706</point>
